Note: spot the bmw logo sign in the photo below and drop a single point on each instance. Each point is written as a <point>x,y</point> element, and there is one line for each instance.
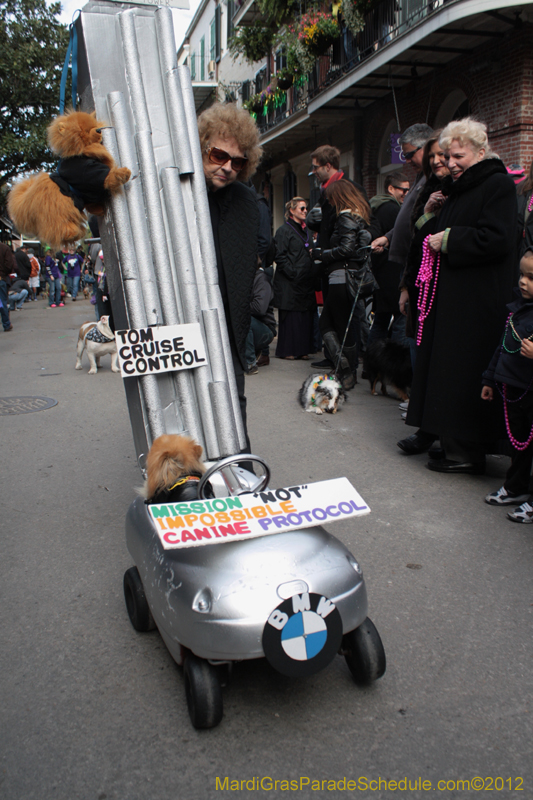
<point>302,635</point>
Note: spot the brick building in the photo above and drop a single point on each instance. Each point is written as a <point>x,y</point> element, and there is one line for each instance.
<point>414,61</point>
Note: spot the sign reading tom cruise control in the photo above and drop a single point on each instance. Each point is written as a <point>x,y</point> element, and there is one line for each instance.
<point>167,348</point>
<point>229,519</point>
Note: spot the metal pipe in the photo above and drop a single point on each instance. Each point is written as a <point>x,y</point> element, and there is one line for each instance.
<point>171,83</point>
<point>130,281</point>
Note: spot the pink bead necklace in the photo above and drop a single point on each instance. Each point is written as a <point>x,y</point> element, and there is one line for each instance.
<point>530,204</point>
<point>516,444</point>
<point>424,278</point>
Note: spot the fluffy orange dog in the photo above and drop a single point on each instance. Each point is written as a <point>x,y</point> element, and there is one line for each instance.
<point>51,206</point>
<point>173,470</point>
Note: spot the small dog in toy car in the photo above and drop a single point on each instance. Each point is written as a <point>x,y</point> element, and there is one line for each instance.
<point>321,394</point>
<point>389,363</point>
<point>173,470</point>
<point>51,206</point>
<point>99,340</point>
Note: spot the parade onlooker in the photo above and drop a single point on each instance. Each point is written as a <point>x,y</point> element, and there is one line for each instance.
<point>8,267</point>
<point>74,263</point>
<point>474,240</point>
<point>23,263</point>
<point>385,208</point>
<point>53,274</point>
<point>18,292</point>
<point>347,250</point>
<point>229,140</point>
<point>294,283</point>
<point>512,367</point>
<point>263,324</point>
<point>34,280</point>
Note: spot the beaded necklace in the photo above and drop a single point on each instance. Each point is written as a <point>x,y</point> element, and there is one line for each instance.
<point>503,391</point>
<point>530,204</point>
<point>424,278</point>
<point>305,239</point>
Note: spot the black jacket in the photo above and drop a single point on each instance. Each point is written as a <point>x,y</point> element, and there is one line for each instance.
<point>261,305</point>
<point>525,224</point>
<point>511,367</point>
<point>23,265</point>
<point>235,220</point>
<point>294,281</point>
<point>82,179</point>
<point>387,274</point>
<point>349,235</point>
<point>327,222</point>
<point>475,282</point>
<point>8,264</point>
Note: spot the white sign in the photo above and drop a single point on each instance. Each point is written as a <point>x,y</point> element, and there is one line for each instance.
<point>149,351</point>
<point>228,519</point>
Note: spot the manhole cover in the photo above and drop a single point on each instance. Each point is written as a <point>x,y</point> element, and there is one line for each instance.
<point>24,405</point>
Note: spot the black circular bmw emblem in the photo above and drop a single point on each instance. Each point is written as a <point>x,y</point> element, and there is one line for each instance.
<point>302,635</point>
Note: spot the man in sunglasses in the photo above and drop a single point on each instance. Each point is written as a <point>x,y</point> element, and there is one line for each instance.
<point>229,140</point>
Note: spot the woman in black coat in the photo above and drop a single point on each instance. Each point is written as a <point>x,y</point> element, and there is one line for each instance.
<point>348,249</point>
<point>475,236</point>
<point>294,284</point>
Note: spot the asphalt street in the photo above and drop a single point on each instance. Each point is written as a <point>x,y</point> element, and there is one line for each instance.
<point>90,709</point>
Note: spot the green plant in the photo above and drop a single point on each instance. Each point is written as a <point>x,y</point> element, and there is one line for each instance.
<point>254,42</point>
<point>317,31</point>
<point>275,11</point>
<point>353,16</point>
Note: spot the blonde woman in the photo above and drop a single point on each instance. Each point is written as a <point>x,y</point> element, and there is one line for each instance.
<point>474,238</point>
<point>294,284</point>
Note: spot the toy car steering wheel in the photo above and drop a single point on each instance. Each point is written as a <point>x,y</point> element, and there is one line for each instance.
<point>226,463</point>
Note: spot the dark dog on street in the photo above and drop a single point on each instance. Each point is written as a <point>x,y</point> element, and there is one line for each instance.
<point>389,363</point>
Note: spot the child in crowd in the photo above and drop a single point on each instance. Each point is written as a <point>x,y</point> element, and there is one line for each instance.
<point>512,368</point>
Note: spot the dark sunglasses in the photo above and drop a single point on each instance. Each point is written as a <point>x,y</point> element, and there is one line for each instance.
<point>302,208</point>
<point>220,157</point>
<point>408,156</point>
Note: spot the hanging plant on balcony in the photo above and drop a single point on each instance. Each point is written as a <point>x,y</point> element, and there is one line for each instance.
<point>285,78</point>
<point>317,31</point>
<point>254,104</point>
<point>275,11</point>
<point>253,42</point>
<point>299,60</point>
<point>353,14</point>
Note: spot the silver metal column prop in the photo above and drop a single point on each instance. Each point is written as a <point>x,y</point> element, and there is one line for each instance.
<point>157,238</point>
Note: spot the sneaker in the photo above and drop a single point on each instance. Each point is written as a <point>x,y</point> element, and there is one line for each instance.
<point>252,369</point>
<point>404,415</point>
<point>404,406</point>
<point>52,305</point>
<point>61,304</point>
<point>503,498</point>
<point>523,513</point>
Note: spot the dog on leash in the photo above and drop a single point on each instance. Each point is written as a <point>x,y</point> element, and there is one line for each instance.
<point>389,363</point>
<point>321,394</point>
<point>173,470</point>
<point>86,292</point>
<point>99,340</point>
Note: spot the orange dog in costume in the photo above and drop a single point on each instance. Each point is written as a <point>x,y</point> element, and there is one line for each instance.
<point>51,207</point>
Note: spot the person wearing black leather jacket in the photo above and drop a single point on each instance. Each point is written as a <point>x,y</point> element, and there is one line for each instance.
<point>349,238</point>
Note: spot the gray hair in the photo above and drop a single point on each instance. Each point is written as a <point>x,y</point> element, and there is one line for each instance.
<point>416,134</point>
<point>466,131</point>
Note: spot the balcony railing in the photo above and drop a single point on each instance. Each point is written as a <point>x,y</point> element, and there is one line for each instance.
<point>387,21</point>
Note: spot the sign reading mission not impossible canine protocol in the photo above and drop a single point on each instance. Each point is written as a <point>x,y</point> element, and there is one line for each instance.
<point>227,519</point>
<point>149,351</point>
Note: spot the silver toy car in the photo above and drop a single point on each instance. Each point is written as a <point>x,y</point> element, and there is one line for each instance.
<point>298,598</point>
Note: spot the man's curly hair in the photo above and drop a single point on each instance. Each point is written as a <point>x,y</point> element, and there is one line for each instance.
<point>227,121</point>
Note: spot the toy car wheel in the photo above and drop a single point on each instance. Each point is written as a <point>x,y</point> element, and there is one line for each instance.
<point>364,653</point>
<point>136,602</point>
<point>203,692</point>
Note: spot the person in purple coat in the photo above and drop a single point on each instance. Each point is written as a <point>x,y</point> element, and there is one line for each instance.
<point>73,262</point>
<point>53,275</point>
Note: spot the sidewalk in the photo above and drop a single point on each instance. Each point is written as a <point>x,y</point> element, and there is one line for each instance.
<point>91,709</point>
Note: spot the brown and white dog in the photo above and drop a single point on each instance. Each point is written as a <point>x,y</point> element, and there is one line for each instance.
<point>99,340</point>
<point>173,470</point>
